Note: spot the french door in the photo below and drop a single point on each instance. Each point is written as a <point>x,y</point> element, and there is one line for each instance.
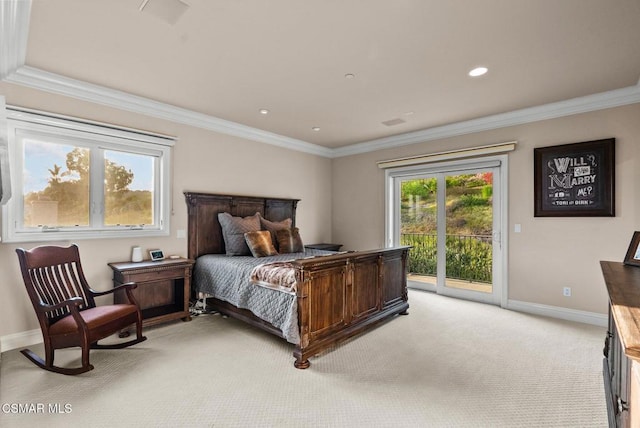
<point>453,215</point>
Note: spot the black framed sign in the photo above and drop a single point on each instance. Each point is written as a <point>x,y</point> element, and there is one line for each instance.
<point>572,180</point>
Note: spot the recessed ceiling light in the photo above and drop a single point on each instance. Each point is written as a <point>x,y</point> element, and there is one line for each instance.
<point>316,128</point>
<point>408,113</point>
<point>478,71</point>
<point>264,111</point>
<point>349,76</point>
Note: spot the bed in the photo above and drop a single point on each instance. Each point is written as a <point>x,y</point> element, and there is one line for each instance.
<point>334,295</point>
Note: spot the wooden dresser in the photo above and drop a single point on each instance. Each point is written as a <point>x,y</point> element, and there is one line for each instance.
<point>621,366</point>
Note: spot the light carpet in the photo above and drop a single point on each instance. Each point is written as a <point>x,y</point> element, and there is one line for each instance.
<point>449,363</point>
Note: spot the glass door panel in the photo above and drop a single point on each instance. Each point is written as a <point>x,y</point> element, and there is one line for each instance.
<point>469,232</point>
<point>419,228</point>
<point>451,219</point>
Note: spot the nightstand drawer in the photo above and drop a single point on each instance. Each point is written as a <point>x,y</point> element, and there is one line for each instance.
<point>151,275</point>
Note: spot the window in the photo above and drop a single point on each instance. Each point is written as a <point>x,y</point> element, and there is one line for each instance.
<point>74,179</point>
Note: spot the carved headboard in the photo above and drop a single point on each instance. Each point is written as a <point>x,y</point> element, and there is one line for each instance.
<point>204,234</point>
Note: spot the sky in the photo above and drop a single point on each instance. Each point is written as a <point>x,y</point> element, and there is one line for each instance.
<point>41,156</point>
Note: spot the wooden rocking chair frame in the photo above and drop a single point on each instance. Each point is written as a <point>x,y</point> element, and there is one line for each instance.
<point>65,306</point>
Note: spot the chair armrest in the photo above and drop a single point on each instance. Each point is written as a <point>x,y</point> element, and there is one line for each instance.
<point>71,302</point>
<point>127,285</point>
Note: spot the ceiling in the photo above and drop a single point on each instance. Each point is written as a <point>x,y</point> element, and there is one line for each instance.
<point>229,59</point>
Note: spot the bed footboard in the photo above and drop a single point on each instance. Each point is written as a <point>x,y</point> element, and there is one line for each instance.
<point>344,294</point>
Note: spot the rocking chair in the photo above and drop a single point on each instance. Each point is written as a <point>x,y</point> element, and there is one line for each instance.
<point>66,309</point>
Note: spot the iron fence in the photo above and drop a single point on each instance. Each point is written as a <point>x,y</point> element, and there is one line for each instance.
<point>469,257</point>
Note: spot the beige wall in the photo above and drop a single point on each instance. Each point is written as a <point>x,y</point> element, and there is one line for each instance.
<point>549,253</point>
<point>202,161</point>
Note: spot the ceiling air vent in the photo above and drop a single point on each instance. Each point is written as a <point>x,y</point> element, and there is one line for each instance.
<point>393,122</point>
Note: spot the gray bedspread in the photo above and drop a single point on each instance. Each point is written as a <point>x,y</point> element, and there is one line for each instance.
<point>228,278</point>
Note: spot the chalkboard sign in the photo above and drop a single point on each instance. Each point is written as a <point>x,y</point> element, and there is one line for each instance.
<point>575,179</point>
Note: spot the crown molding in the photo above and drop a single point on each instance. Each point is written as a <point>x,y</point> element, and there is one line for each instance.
<point>14,31</point>
<point>600,101</point>
<point>51,82</point>
<point>55,83</point>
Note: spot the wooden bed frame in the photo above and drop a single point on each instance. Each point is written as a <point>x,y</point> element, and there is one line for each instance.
<point>338,296</point>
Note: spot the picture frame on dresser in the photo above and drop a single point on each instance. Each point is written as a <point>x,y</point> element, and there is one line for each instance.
<point>632,258</point>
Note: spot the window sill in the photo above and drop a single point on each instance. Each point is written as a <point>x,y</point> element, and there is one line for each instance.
<point>76,236</point>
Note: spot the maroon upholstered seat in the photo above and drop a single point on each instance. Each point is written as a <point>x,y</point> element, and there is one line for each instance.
<point>66,309</point>
<point>95,318</point>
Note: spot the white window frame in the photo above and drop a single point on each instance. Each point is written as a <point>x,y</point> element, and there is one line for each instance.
<point>98,137</point>
<point>393,177</point>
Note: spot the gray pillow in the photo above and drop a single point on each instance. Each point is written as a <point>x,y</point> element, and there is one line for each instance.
<point>233,230</point>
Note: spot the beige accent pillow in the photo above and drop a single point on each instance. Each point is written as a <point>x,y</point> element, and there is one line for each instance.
<point>260,243</point>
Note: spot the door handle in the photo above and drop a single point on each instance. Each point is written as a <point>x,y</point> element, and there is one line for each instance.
<point>497,238</point>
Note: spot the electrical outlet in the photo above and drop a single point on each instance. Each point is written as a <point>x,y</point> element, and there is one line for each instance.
<point>566,291</point>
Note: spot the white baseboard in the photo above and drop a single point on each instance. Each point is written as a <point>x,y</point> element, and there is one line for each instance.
<point>593,318</point>
<point>19,340</point>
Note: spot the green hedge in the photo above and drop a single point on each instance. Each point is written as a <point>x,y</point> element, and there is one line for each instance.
<point>468,257</point>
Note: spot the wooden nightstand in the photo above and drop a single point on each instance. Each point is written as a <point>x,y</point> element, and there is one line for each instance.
<point>163,288</point>
<point>326,247</point>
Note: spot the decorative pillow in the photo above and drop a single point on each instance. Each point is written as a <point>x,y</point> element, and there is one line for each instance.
<point>289,241</point>
<point>260,243</point>
<point>273,227</point>
<point>233,230</point>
